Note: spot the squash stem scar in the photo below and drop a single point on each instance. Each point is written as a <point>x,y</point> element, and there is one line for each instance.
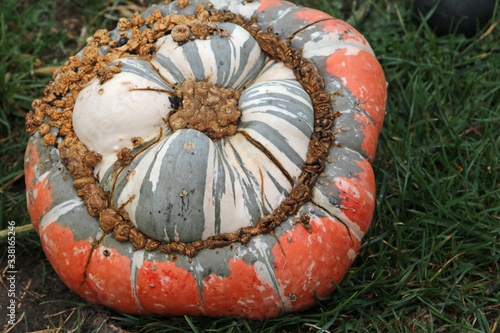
<point>296,32</point>
<point>153,89</point>
<point>272,233</point>
<point>162,77</point>
<point>334,216</point>
<point>130,199</point>
<point>94,245</point>
<point>263,149</point>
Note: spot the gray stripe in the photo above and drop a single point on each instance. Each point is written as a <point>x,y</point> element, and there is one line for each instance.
<point>278,185</point>
<point>170,66</point>
<point>218,185</point>
<point>193,56</point>
<point>344,165</point>
<point>223,59</point>
<point>142,68</point>
<point>82,225</point>
<point>121,180</point>
<point>237,179</point>
<point>254,71</point>
<point>174,211</point>
<point>248,46</point>
<point>221,150</point>
<point>107,180</point>
<point>225,54</point>
<point>250,196</point>
<point>275,138</point>
<point>290,103</point>
<point>354,137</point>
<point>269,67</point>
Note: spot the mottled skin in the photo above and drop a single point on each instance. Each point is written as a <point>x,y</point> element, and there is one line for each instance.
<point>270,275</point>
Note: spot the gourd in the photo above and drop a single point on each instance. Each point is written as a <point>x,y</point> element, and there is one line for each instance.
<point>208,158</point>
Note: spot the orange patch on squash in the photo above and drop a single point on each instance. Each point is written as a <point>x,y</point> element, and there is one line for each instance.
<point>266,5</point>
<point>313,261</point>
<point>165,288</point>
<point>311,15</point>
<point>244,293</point>
<point>38,192</point>
<point>362,74</point>
<point>67,256</point>
<point>358,196</point>
<point>343,29</point>
<point>370,133</point>
<point>109,278</point>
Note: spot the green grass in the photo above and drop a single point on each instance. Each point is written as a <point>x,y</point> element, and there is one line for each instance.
<point>430,262</point>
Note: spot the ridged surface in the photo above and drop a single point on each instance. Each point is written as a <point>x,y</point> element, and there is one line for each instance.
<point>270,275</point>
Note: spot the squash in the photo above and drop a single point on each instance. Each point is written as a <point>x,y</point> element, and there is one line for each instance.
<point>208,158</point>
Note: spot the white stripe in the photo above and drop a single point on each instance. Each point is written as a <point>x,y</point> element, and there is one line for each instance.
<point>234,213</point>
<point>326,43</point>
<point>55,213</point>
<point>135,264</point>
<point>256,163</point>
<point>278,87</point>
<point>294,137</point>
<point>163,72</point>
<point>168,48</point>
<point>246,9</point>
<point>265,268</point>
<point>238,38</point>
<point>132,188</point>
<point>209,201</point>
<point>292,169</point>
<point>207,55</point>
<point>278,72</point>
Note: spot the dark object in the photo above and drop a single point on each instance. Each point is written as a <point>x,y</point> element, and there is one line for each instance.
<point>175,102</point>
<point>462,16</point>
<point>122,41</point>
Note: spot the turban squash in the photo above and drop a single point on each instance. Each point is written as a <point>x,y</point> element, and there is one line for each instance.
<point>208,157</point>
